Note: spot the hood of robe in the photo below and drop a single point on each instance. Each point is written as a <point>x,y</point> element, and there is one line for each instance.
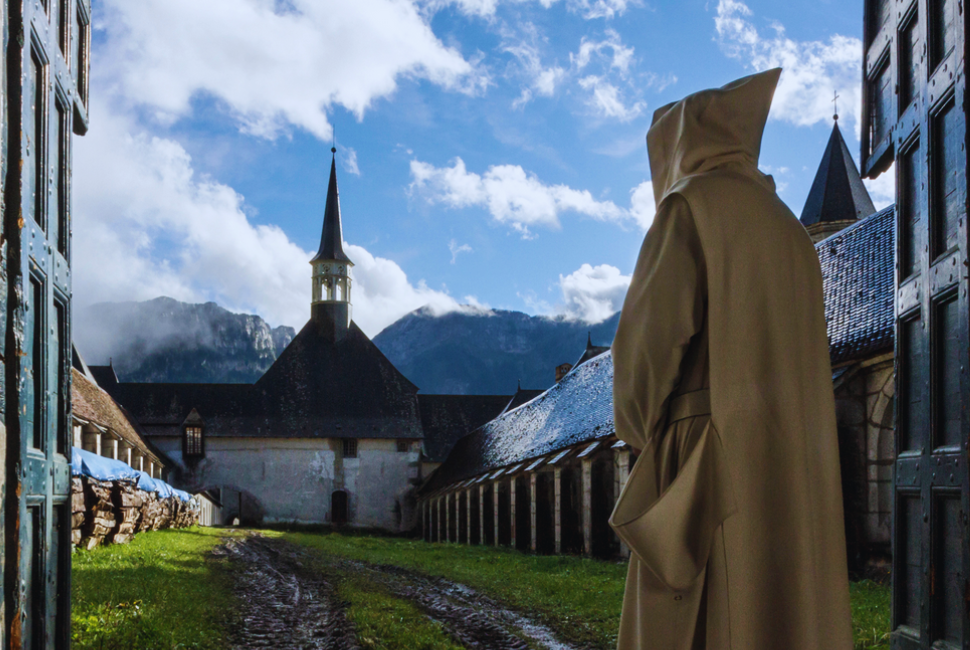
<point>711,129</point>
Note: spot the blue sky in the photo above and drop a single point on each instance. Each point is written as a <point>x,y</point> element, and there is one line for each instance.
<point>490,152</point>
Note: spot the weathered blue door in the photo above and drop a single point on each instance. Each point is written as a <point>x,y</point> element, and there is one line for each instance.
<point>46,48</point>
<point>915,115</point>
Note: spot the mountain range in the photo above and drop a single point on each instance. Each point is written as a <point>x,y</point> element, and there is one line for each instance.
<point>463,352</point>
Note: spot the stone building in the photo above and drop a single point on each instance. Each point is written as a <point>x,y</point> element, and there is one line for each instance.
<point>331,433</point>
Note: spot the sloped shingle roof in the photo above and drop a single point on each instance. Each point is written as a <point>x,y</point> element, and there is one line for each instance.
<point>857,278</point>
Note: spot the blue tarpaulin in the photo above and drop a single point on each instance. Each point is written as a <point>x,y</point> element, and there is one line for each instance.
<point>85,463</point>
<point>98,467</point>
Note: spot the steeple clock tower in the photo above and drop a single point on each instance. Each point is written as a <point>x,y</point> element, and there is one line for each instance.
<point>331,267</point>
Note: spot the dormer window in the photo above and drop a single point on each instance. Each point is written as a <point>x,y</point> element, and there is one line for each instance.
<point>193,441</point>
<point>193,436</point>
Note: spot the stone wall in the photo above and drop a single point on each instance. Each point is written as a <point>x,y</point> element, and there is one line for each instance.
<point>292,480</point>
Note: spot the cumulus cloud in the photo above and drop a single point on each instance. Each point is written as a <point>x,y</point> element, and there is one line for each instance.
<point>518,198</point>
<point>147,224</point>
<point>593,293</point>
<point>813,70</point>
<point>272,64</point>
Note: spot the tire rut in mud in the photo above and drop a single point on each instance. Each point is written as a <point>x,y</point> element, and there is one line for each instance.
<point>289,601</point>
<point>283,603</point>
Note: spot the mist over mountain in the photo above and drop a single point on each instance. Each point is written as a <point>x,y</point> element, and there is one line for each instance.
<point>486,352</point>
<point>164,340</point>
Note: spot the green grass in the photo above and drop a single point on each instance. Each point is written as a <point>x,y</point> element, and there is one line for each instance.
<point>578,597</point>
<point>870,615</point>
<point>384,622</point>
<point>161,591</point>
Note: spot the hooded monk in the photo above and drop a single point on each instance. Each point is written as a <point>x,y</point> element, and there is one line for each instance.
<point>733,511</point>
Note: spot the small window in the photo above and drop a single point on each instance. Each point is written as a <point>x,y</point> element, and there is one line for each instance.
<point>193,441</point>
<point>403,446</point>
<point>350,448</point>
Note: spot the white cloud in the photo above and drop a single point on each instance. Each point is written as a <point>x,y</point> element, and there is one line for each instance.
<point>606,100</point>
<point>147,224</point>
<point>518,198</point>
<point>601,8</point>
<point>620,59</point>
<point>593,293</point>
<point>541,80</point>
<point>813,70</point>
<point>882,190</point>
<point>349,159</point>
<point>456,249</point>
<point>480,8</point>
<point>272,65</point>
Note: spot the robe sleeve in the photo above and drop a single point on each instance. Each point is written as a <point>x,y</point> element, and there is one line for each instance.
<point>663,309</point>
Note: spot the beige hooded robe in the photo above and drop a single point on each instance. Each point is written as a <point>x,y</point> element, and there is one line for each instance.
<point>733,510</point>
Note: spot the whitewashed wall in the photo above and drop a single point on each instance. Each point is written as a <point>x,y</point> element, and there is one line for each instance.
<point>292,479</point>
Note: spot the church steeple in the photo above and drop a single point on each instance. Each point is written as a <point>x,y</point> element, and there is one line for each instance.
<point>837,198</point>
<point>331,266</point>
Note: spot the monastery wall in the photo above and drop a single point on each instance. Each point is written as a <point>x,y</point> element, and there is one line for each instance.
<point>288,480</point>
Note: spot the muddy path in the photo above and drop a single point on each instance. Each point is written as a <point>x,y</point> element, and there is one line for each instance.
<point>289,596</point>
<point>283,604</point>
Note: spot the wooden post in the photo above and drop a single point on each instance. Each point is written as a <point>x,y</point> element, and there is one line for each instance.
<point>557,523</point>
<point>512,500</point>
<point>622,474</point>
<point>468,515</point>
<point>448,517</point>
<point>441,521</point>
<point>495,489</point>
<point>588,506</point>
<point>481,513</point>
<point>532,510</point>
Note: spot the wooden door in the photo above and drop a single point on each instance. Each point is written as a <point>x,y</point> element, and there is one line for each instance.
<point>47,44</point>
<point>915,116</point>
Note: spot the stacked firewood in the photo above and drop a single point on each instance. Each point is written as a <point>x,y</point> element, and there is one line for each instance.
<point>77,510</point>
<point>127,501</point>
<point>150,510</point>
<point>113,511</point>
<point>99,519</point>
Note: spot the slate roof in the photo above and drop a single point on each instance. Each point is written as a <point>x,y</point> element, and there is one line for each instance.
<point>577,409</point>
<point>446,418</point>
<point>90,403</point>
<point>857,278</point>
<point>331,239</point>
<point>837,193</point>
<point>317,388</point>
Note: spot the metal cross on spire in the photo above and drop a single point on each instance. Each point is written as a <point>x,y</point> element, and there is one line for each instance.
<point>835,101</point>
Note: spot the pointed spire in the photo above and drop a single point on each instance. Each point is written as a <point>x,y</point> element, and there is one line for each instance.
<point>837,192</point>
<point>589,339</point>
<point>331,240</point>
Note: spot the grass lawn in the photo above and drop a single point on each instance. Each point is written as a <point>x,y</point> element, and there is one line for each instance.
<point>578,597</point>
<point>164,591</point>
<point>160,591</point>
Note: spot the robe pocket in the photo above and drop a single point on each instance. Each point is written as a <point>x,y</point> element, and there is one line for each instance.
<point>672,535</point>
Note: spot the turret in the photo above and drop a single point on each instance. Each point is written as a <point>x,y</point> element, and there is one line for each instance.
<point>331,266</point>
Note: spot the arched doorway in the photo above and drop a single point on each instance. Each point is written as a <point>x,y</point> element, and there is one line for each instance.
<point>338,507</point>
